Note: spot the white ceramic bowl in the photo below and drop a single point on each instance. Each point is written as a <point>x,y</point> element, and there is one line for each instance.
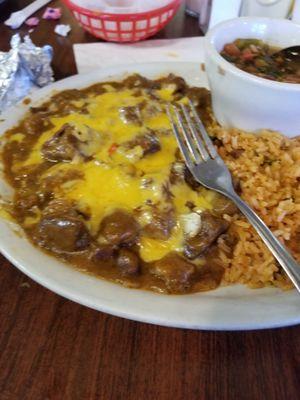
<point>243,100</point>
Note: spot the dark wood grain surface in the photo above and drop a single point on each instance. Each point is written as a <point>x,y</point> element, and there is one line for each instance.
<point>54,349</point>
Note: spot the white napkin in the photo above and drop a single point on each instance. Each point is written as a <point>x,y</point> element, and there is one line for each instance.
<point>91,56</point>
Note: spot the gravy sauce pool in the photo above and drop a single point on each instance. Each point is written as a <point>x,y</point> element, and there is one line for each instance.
<point>100,184</point>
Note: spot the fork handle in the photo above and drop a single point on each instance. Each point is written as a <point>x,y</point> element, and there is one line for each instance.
<point>279,251</point>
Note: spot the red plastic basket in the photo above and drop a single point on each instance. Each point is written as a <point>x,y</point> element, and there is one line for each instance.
<point>124,27</point>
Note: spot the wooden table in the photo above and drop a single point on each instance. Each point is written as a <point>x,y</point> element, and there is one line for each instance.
<point>54,349</point>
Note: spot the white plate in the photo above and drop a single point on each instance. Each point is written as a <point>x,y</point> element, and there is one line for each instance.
<point>230,308</point>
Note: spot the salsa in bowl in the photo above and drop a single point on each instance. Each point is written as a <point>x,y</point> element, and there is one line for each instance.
<point>259,58</point>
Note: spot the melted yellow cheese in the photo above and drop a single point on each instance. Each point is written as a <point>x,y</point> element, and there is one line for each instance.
<point>113,180</point>
<point>17,137</point>
<point>166,93</point>
<point>182,193</point>
<point>104,189</point>
<point>153,249</point>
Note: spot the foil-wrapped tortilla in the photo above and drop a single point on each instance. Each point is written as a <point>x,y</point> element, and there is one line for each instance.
<point>24,67</point>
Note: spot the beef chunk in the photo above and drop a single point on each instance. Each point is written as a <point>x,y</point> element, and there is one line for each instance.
<point>119,228</point>
<point>89,141</point>
<point>222,205</point>
<point>209,276</point>
<point>62,146</point>
<point>61,229</point>
<point>161,225</point>
<point>177,272</point>
<point>177,172</point>
<point>104,252</point>
<point>136,114</point>
<point>211,228</point>
<point>131,115</point>
<point>190,180</point>
<point>128,263</point>
<point>178,82</point>
<point>149,142</point>
<point>104,255</point>
<point>61,234</point>
<point>200,97</point>
<point>69,141</point>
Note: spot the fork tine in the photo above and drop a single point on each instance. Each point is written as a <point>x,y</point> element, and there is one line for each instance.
<point>203,132</point>
<point>181,144</point>
<point>189,140</point>
<point>201,147</point>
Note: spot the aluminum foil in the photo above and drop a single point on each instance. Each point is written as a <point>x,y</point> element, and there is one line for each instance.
<point>23,68</point>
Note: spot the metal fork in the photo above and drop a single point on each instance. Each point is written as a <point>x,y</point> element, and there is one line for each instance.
<point>210,170</point>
